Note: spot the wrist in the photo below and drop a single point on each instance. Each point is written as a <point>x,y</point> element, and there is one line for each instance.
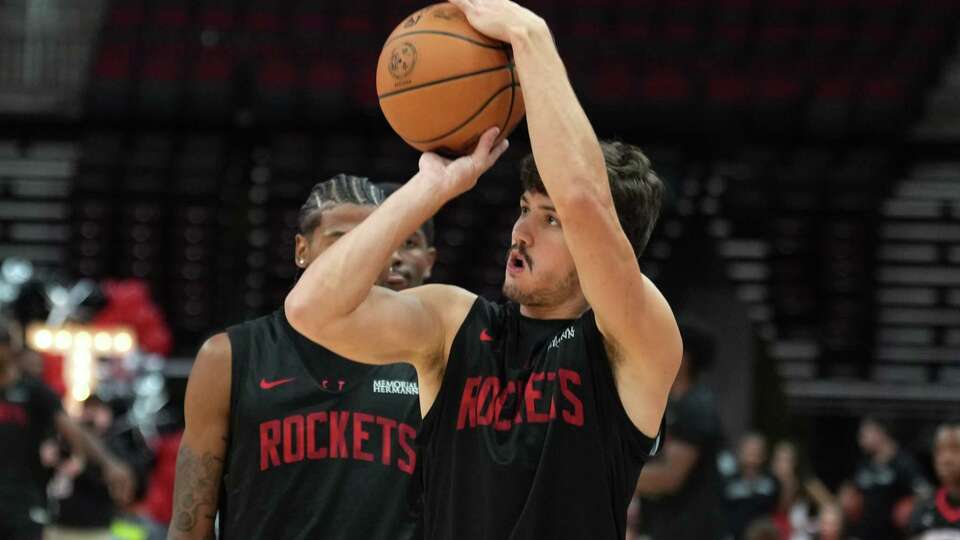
<point>528,31</point>
<point>428,189</point>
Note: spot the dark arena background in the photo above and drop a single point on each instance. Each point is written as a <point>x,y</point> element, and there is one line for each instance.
<point>154,155</point>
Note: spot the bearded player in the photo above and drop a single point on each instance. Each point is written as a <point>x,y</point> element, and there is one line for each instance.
<point>538,413</point>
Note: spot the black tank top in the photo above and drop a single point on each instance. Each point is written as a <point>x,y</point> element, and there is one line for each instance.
<point>319,446</point>
<point>527,437</point>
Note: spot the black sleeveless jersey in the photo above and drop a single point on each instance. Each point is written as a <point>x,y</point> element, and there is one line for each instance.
<point>527,437</point>
<point>936,518</point>
<point>319,446</point>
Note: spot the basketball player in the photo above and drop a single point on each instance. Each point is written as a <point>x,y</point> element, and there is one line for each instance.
<point>938,517</point>
<point>28,410</point>
<point>284,438</point>
<point>539,413</point>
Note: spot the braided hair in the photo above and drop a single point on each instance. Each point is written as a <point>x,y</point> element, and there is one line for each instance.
<point>341,189</point>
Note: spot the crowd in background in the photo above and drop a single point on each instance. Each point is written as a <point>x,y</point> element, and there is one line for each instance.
<point>701,488</point>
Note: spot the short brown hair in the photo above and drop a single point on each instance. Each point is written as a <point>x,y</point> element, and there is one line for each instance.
<point>637,190</point>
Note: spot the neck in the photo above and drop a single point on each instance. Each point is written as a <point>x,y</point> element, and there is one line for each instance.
<point>953,490</point>
<point>570,309</point>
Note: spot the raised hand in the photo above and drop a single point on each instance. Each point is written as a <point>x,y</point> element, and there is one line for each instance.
<point>453,177</point>
<point>497,18</point>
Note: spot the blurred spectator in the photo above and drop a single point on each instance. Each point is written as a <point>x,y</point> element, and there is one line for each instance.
<point>800,491</point>
<point>887,481</point>
<point>830,524</point>
<point>937,517</point>
<point>85,508</point>
<point>752,492</point>
<point>28,411</point>
<point>681,489</point>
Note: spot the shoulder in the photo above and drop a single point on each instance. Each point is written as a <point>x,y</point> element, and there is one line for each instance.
<point>210,376</point>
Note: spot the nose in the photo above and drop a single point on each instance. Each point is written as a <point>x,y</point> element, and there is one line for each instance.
<point>395,258</point>
<point>521,233</point>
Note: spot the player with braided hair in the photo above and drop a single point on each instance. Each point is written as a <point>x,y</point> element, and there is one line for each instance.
<point>279,429</point>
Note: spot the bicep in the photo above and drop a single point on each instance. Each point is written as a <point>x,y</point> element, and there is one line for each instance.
<point>388,326</point>
<point>200,459</point>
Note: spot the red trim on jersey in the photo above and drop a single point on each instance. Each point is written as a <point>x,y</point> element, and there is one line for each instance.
<point>948,512</point>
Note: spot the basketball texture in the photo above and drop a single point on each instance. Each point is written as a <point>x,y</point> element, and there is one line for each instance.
<point>441,83</point>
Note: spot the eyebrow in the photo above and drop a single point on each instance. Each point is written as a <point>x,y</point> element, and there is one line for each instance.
<point>523,199</point>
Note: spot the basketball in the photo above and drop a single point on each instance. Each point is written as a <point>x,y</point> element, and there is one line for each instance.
<point>441,83</point>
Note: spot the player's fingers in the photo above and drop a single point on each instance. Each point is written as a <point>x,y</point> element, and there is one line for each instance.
<point>464,5</point>
<point>485,144</point>
<point>497,152</point>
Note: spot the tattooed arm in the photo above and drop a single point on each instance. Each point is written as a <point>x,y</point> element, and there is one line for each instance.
<point>202,450</point>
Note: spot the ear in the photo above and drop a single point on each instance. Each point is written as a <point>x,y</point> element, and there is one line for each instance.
<point>301,251</point>
<point>431,259</point>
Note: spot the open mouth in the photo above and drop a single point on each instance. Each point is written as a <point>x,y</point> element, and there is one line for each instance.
<point>516,263</point>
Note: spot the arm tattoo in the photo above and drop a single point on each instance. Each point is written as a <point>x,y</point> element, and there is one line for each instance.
<point>196,490</point>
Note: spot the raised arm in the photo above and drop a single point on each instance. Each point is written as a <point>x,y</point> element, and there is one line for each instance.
<point>335,303</point>
<point>200,460</point>
<point>639,328</point>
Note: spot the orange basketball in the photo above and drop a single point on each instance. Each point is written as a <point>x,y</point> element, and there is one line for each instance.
<point>441,83</point>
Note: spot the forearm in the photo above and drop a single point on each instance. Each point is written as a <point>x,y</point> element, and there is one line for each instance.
<point>565,147</point>
<point>195,494</point>
<point>84,442</point>
<point>656,479</point>
<point>339,280</point>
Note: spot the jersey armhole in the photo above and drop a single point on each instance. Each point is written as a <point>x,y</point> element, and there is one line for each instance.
<point>427,422</point>
<point>642,446</point>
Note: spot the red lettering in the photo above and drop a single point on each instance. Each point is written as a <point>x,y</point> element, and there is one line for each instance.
<point>315,451</point>
<point>553,406</point>
<point>531,396</point>
<point>388,425</point>
<point>485,399</point>
<point>575,417</point>
<point>407,433</point>
<point>468,403</point>
<point>269,441</point>
<point>360,434</point>
<point>338,434</point>
<point>293,444</point>
<point>503,424</point>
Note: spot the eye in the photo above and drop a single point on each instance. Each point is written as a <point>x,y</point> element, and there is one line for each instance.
<point>524,210</point>
<point>552,220</point>
<point>410,243</point>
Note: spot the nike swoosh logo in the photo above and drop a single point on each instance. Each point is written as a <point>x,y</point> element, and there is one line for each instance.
<point>267,385</point>
<point>484,336</point>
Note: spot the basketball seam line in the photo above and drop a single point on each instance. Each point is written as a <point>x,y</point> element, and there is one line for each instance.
<point>448,34</point>
<point>467,121</point>
<point>513,96</point>
<point>448,79</point>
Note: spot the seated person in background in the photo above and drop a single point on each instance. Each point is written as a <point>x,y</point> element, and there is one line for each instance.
<point>887,480</point>
<point>800,492</point>
<point>937,517</point>
<point>752,492</point>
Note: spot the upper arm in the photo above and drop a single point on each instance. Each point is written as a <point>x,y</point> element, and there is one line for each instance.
<point>200,460</point>
<point>635,319</point>
<point>415,325</point>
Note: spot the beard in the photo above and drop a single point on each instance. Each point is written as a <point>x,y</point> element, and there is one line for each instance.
<point>554,294</point>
